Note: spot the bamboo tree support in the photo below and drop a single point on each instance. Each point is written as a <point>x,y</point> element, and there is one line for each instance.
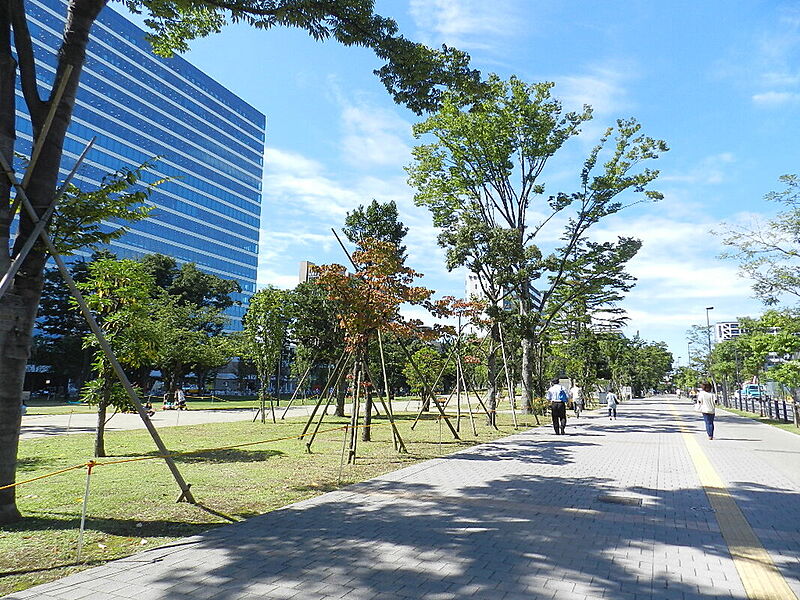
<point>54,101</point>
<point>428,391</point>
<point>186,494</point>
<point>89,467</point>
<point>460,371</point>
<point>399,446</point>
<point>330,396</point>
<point>351,455</point>
<point>483,405</point>
<point>299,385</point>
<point>344,449</point>
<point>328,390</point>
<point>398,441</point>
<point>512,396</point>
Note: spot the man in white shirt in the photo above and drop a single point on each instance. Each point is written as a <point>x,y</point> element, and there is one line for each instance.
<point>557,396</point>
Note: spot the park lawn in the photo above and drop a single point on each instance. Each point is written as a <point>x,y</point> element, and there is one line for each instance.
<point>756,417</point>
<point>132,504</point>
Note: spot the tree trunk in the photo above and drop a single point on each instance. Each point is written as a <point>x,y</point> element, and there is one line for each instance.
<point>527,375</point>
<point>18,307</point>
<point>341,397</point>
<point>99,438</point>
<point>491,368</point>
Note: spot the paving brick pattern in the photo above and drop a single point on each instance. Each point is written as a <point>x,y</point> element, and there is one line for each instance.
<point>613,510</point>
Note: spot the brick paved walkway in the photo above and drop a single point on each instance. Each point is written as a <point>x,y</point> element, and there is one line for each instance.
<point>611,510</point>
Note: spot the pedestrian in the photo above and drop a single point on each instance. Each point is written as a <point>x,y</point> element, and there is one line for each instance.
<point>558,397</point>
<point>180,400</point>
<point>577,399</point>
<point>706,402</point>
<point>611,399</point>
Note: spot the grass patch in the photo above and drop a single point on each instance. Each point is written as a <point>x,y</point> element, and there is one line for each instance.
<point>132,505</point>
<point>756,417</point>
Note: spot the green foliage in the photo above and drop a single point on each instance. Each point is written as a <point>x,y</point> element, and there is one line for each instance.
<point>118,293</point>
<point>80,220</point>
<point>479,177</point>
<point>429,361</point>
<point>769,253</point>
<point>415,75</point>
<point>686,378</point>
<point>97,391</point>
<point>265,326</point>
<point>186,339</point>
<point>379,221</point>
<point>642,365</point>
<point>189,285</point>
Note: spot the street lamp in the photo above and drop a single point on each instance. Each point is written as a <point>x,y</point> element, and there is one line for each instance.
<point>708,330</point>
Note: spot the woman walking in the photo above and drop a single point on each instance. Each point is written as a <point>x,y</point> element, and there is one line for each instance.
<point>706,404</point>
<point>611,401</point>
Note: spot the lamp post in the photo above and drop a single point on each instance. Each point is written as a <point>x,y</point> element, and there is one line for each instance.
<point>708,331</point>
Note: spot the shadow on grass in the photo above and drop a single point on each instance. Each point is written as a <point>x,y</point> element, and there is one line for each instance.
<point>65,565</point>
<point>143,528</point>
<point>33,463</point>
<point>230,455</point>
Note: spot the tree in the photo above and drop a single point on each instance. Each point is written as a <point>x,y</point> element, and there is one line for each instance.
<point>368,302</point>
<point>189,285</point>
<point>413,74</point>
<point>185,337</point>
<point>769,253</point>
<point>429,364</point>
<point>479,177</point>
<point>118,292</point>
<point>378,221</point>
<point>315,331</point>
<point>265,326</point>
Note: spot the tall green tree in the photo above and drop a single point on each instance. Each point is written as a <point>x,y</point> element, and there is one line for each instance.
<point>118,292</point>
<point>265,327</point>
<point>379,221</point>
<point>318,338</point>
<point>187,284</point>
<point>187,339</point>
<point>413,74</point>
<point>480,174</point>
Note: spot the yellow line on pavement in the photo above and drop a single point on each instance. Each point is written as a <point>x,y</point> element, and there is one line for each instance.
<point>761,578</point>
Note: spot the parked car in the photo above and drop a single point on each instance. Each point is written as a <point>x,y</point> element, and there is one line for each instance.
<point>753,391</point>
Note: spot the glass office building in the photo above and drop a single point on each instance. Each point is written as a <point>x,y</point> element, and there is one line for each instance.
<point>209,144</point>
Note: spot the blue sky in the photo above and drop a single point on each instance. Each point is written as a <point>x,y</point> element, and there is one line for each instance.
<point>719,81</point>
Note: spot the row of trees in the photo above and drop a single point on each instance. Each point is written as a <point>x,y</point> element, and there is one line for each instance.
<point>479,171</point>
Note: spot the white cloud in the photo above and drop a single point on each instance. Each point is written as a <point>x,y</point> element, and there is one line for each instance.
<point>711,170</point>
<point>374,136</point>
<point>771,99</point>
<point>465,24</point>
<point>602,87</point>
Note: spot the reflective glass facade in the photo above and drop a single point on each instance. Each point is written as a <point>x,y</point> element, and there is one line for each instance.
<point>209,144</point>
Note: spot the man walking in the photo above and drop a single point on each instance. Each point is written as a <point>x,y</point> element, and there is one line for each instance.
<point>557,396</point>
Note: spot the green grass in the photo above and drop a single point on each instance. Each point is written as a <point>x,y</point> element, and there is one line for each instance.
<point>132,505</point>
<point>780,424</point>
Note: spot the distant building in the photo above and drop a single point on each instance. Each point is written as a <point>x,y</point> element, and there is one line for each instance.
<point>206,143</point>
<point>306,271</point>
<point>727,330</point>
<point>473,288</point>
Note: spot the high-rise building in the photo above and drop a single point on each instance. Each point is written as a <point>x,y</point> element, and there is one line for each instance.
<point>203,139</point>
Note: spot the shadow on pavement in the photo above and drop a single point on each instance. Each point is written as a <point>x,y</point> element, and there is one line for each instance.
<point>397,539</point>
